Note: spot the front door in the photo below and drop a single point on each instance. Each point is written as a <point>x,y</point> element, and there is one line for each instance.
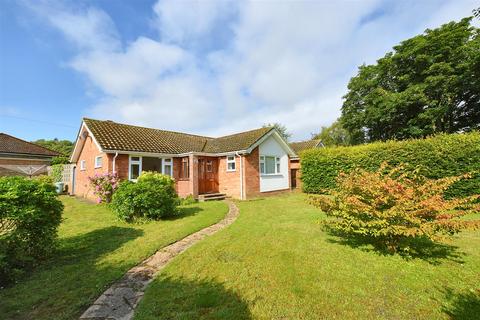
<point>207,175</point>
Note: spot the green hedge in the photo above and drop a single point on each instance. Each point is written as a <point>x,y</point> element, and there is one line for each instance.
<point>437,157</point>
<point>30,213</point>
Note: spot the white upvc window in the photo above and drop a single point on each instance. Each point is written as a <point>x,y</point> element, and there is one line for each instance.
<point>83,165</point>
<point>167,167</point>
<point>134,168</point>
<point>98,161</point>
<point>231,163</point>
<point>270,165</point>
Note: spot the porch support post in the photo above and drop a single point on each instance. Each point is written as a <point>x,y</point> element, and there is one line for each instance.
<point>193,159</point>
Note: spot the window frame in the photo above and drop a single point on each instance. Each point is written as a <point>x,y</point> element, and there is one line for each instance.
<point>185,174</point>
<point>83,165</point>
<point>262,167</point>
<point>169,164</point>
<point>231,161</point>
<point>101,162</point>
<point>134,162</point>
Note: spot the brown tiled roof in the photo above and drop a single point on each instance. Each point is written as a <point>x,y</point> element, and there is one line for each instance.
<point>9,144</point>
<point>304,145</point>
<point>235,142</point>
<point>123,137</point>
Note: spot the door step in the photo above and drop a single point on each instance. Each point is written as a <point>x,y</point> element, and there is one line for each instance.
<point>211,197</point>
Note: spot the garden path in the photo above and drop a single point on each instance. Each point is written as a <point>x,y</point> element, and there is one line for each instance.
<point>119,301</point>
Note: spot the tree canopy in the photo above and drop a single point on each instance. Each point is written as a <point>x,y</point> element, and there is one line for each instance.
<point>428,84</point>
<point>65,147</point>
<point>333,135</point>
<point>280,128</point>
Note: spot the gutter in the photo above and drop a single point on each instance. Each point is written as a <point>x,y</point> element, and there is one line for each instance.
<point>176,155</point>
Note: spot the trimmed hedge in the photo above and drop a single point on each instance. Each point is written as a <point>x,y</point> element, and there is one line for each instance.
<point>436,157</point>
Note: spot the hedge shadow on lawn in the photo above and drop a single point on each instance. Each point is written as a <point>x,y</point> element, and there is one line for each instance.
<point>170,298</point>
<point>94,244</point>
<point>462,306</point>
<point>184,212</point>
<point>71,275</point>
<point>423,249</point>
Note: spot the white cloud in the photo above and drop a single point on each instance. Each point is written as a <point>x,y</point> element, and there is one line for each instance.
<point>132,71</point>
<point>219,67</point>
<point>184,21</point>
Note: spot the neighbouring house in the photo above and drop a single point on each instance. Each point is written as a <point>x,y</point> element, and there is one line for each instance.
<point>242,165</point>
<point>298,147</point>
<point>22,158</point>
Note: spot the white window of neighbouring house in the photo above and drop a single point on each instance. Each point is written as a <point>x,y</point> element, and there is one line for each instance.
<point>269,165</point>
<point>167,167</point>
<point>98,162</point>
<point>135,167</point>
<point>83,165</point>
<point>230,163</point>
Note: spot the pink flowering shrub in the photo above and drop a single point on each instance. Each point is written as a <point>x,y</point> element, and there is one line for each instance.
<point>104,185</point>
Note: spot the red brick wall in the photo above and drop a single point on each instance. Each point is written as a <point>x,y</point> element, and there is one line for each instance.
<point>88,153</point>
<point>251,165</point>
<point>184,187</point>
<point>121,165</point>
<point>229,182</point>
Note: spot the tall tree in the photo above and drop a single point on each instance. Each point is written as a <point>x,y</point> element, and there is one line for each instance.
<point>428,84</point>
<point>280,128</point>
<point>333,135</point>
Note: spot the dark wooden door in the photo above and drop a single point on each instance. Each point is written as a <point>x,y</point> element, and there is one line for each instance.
<point>293,178</point>
<point>207,175</point>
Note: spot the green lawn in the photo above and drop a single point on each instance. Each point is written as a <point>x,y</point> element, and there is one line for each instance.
<point>95,249</point>
<point>275,262</point>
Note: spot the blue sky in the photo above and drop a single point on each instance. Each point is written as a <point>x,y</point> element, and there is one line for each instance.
<point>205,67</point>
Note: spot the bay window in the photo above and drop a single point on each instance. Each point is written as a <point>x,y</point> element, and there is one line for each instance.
<point>269,165</point>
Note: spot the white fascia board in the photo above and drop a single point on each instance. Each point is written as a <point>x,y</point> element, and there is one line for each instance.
<point>74,155</point>
<point>93,138</point>
<point>279,139</point>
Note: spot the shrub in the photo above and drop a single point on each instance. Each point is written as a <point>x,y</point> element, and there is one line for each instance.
<point>392,209</point>
<point>30,213</point>
<point>437,157</point>
<point>57,172</point>
<point>104,186</point>
<point>188,200</point>
<point>153,196</point>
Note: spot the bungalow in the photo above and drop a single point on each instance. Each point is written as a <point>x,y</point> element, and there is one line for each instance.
<point>22,158</point>
<point>242,165</point>
<point>298,147</point>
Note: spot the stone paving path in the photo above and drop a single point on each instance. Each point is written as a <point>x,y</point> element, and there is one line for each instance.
<point>119,301</point>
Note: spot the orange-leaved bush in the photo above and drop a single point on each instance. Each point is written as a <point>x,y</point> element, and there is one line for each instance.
<point>392,207</point>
